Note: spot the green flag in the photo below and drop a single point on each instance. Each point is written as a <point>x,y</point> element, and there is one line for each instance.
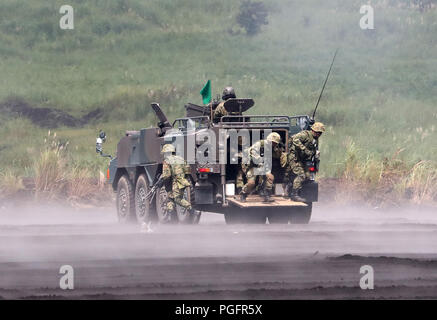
<point>206,92</point>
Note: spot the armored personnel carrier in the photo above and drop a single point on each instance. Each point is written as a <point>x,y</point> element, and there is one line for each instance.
<point>138,164</point>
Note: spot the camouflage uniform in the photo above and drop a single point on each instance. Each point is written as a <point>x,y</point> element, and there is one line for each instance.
<point>239,180</point>
<point>255,153</point>
<point>174,169</point>
<point>220,111</point>
<point>302,146</point>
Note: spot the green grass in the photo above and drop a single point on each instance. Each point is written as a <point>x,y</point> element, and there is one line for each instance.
<point>124,54</point>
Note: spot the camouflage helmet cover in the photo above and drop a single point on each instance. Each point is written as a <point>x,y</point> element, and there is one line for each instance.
<point>228,93</point>
<point>274,137</point>
<point>318,127</point>
<point>168,148</point>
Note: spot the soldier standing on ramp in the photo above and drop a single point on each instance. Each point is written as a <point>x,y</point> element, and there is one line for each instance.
<point>174,171</point>
<point>256,152</point>
<point>302,147</point>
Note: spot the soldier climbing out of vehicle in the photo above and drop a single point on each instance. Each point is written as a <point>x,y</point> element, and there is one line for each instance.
<point>220,111</point>
<point>174,171</point>
<point>303,146</point>
<point>241,171</point>
<point>256,152</point>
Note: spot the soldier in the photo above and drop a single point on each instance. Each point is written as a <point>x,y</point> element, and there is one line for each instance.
<point>238,156</point>
<point>174,169</point>
<point>302,147</point>
<point>256,151</point>
<point>220,111</point>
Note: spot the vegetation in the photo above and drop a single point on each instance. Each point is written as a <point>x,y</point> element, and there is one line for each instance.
<point>252,16</point>
<point>386,182</point>
<point>124,54</point>
<point>10,183</point>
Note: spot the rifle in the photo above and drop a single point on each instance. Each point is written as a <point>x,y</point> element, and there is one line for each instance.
<point>281,146</point>
<point>150,195</point>
<point>323,88</point>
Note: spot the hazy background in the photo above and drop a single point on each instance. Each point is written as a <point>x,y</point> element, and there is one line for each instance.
<point>123,54</point>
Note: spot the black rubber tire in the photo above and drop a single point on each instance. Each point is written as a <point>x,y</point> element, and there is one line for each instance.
<point>279,216</point>
<point>125,201</point>
<point>145,210</point>
<point>235,215</point>
<point>164,217</point>
<point>256,219</point>
<point>302,215</point>
<point>232,217</point>
<point>184,216</point>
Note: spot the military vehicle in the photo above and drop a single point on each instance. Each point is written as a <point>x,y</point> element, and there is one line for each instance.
<point>138,164</point>
<point>135,171</point>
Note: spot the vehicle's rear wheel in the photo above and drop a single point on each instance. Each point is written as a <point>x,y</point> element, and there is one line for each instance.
<point>279,216</point>
<point>145,210</point>
<point>234,215</point>
<point>164,216</point>
<point>184,215</point>
<point>302,215</point>
<point>125,200</point>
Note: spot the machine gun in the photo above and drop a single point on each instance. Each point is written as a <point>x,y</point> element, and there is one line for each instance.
<point>163,123</point>
<point>150,195</point>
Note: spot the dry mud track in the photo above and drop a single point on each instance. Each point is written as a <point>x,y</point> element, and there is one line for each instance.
<point>321,260</point>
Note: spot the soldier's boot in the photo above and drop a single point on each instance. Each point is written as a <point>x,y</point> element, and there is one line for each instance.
<point>287,190</point>
<point>267,196</point>
<point>243,196</point>
<point>238,190</point>
<point>193,211</point>
<point>294,195</point>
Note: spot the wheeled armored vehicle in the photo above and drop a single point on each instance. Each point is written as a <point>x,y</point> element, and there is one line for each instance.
<point>138,164</point>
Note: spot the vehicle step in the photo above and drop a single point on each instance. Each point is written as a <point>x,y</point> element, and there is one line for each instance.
<point>254,201</point>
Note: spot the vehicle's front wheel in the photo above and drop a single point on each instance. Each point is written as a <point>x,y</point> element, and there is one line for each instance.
<point>125,200</point>
<point>164,216</point>
<point>145,210</point>
<point>184,215</point>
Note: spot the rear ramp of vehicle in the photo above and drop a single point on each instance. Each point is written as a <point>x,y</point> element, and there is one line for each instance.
<point>256,201</point>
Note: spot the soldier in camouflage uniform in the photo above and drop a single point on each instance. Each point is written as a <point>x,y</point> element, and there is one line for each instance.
<point>174,171</point>
<point>220,111</point>
<point>238,156</point>
<point>256,151</point>
<point>302,147</point>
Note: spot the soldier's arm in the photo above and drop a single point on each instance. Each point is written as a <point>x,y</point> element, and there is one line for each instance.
<point>298,140</point>
<point>255,153</point>
<point>220,111</point>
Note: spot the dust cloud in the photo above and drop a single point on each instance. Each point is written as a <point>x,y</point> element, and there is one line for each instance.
<point>215,260</point>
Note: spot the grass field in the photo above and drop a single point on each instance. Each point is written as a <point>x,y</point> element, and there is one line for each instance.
<point>124,54</point>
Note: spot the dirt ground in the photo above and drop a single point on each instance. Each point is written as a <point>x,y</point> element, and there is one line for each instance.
<point>321,260</point>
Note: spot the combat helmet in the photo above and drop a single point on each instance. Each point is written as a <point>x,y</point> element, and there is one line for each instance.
<point>228,93</point>
<point>318,127</point>
<point>168,148</point>
<point>274,137</point>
